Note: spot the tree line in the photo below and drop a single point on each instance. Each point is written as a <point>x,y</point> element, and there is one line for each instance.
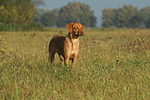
<point>127,16</point>
<point>24,15</point>
<point>72,12</point>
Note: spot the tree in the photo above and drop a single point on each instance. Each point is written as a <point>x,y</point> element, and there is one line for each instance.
<point>87,17</point>
<point>38,15</point>
<point>109,17</point>
<point>121,17</point>
<point>144,16</point>
<point>135,21</point>
<point>93,21</point>
<point>76,12</point>
<point>18,11</point>
<point>50,17</point>
<point>124,16</point>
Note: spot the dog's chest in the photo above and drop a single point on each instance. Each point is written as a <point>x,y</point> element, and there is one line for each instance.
<point>75,47</point>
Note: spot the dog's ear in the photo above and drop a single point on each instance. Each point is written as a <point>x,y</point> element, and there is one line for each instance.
<point>70,27</point>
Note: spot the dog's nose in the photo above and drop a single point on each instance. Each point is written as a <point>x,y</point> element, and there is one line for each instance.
<point>82,32</point>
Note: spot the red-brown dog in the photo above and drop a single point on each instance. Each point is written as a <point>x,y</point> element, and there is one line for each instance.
<point>67,47</point>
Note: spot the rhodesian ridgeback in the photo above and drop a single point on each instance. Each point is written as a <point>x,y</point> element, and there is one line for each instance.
<point>67,47</point>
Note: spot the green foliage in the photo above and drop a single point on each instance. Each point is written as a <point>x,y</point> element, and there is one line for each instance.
<point>124,15</point>
<point>72,12</point>
<point>33,27</point>
<point>9,27</point>
<point>38,15</point>
<point>50,18</point>
<point>121,17</point>
<point>2,26</point>
<point>127,16</point>
<point>76,12</point>
<point>18,27</point>
<point>46,18</point>
<point>16,13</point>
<point>93,21</point>
<point>144,16</point>
<point>109,17</point>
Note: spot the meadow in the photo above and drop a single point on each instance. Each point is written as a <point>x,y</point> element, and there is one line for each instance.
<point>112,64</point>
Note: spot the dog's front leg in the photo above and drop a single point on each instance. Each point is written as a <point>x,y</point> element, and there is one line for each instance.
<point>74,61</point>
<point>67,61</point>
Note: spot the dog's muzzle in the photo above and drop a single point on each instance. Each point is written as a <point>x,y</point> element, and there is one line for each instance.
<point>81,33</point>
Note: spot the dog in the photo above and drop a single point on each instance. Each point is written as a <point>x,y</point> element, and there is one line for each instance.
<point>67,47</point>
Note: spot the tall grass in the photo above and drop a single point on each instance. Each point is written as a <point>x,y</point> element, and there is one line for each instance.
<point>112,64</point>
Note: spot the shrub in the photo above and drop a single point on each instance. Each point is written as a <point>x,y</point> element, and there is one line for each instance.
<point>18,27</point>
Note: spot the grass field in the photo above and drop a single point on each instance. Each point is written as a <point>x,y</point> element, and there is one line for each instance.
<point>112,64</point>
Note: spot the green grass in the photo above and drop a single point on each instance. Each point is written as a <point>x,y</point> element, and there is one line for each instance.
<point>112,64</point>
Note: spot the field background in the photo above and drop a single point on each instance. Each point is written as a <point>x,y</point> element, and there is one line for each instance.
<point>112,64</point>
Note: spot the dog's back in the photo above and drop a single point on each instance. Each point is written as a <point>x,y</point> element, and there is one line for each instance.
<point>56,44</point>
<point>57,39</point>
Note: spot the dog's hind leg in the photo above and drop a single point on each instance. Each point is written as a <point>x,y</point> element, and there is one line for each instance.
<point>51,56</point>
<point>62,59</point>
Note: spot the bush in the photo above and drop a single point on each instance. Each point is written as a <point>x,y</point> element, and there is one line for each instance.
<point>2,26</point>
<point>18,27</point>
<point>32,27</point>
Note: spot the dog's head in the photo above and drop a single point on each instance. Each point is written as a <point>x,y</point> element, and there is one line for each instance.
<point>76,28</point>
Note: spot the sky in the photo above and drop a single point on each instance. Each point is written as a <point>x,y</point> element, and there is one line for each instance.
<point>97,5</point>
